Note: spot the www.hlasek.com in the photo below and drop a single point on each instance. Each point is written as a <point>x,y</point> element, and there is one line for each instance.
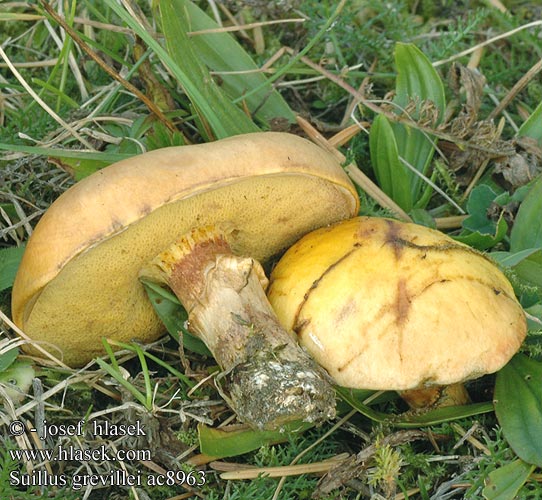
<point>100,454</point>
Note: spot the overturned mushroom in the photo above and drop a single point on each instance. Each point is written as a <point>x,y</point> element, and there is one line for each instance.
<point>78,280</point>
<point>392,306</point>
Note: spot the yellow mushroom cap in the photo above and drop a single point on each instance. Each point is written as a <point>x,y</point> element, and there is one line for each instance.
<point>392,306</point>
<point>78,280</point>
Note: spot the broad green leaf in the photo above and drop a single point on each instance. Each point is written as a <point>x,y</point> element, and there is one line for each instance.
<point>482,232</point>
<point>8,358</point>
<point>479,201</point>
<point>173,315</point>
<point>505,482</point>
<point>182,60</point>
<point>392,177</point>
<point>222,53</point>
<point>10,258</point>
<point>529,270</point>
<point>484,241</point>
<point>527,230</point>
<point>410,420</point>
<point>531,127</point>
<point>518,406</point>
<point>79,168</point>
<point>511,259</point>
<point>219,443</point>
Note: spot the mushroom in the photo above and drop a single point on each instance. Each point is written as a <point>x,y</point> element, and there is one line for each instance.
<point>386,305</point>
<point>250,196</point>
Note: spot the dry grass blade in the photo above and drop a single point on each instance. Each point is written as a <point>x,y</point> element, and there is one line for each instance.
<point>239,27</point>
<point>489,41</point>
<point>287,470</point>
<point>42,103</point>
<point>516,89</point>
<point>45,353</point>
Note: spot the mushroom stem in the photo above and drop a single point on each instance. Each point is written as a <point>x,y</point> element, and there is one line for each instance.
<point>436,396</point>
<point>268,379</point>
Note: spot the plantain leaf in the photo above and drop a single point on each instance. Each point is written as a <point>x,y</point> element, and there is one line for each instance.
<point>527,230</point>
<point>392,177</point>
<point>531,127</point>
<point>505,482</point>
<point>518,406</point>
<point>220,443</point>
<point>10,258</point>
<point>420,90</point>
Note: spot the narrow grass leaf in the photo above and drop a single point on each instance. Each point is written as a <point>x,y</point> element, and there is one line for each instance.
<point>527,230</point>
<point>64,153</point>
<point>219,443</point>
<point>122,381</point>
<point>408,420</point>
<point>158,361</point>
<point>531,127</point>
<point>173,315</point>
<point>511,259</point>
<point>518,406</point>
<point>224,117</point>
<point>222,53</point>
<point>10,258</point>
<point>505,482</point>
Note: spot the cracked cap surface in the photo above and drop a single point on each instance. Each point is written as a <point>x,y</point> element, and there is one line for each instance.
<point>392,306</point>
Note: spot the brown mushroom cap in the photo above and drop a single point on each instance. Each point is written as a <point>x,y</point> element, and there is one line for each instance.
<point>78,280</point>
<point>387,305</point>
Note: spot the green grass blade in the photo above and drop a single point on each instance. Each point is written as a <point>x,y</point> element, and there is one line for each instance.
<point>224,117</point>
<point>221,53</point>
<point>65,153</point>
<point>407,420</point>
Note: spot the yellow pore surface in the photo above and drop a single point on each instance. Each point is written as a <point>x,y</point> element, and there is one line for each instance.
<point>393,306</point>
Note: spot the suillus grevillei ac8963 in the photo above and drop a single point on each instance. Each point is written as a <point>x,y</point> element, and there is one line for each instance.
<point>245,199</point>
